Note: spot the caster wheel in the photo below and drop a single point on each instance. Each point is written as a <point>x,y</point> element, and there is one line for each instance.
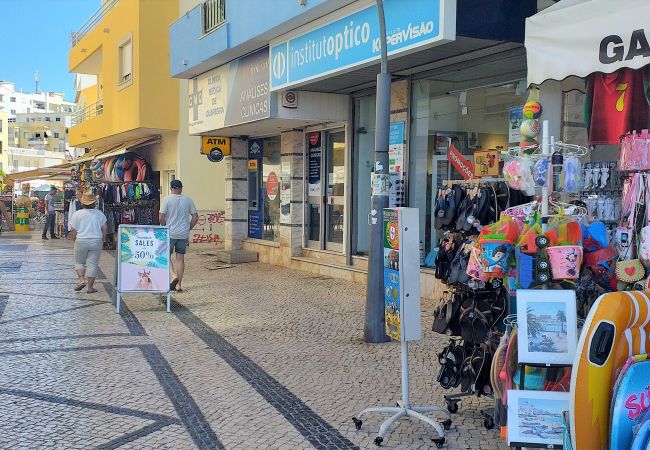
<point>452,407</point>
<point>488,423</point>
<point>496,284</point>
<point>439,442</point>
<point>446,424</point>
<point>543,277</point>
<point>541,241</point>
<point>357,423</point>
<point>542,265</point>
<point>378,440</point>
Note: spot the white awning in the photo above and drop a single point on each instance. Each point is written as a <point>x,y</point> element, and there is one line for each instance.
<point>579,37</point>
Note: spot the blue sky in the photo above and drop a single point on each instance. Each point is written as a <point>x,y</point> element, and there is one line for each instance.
<point>35,35</point>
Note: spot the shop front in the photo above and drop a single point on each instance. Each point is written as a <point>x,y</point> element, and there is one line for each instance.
<point>278,141</point>
<point>571,266</point>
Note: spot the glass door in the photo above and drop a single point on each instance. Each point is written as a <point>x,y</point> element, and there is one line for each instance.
<point>335,198</point>
<point>325,157</point>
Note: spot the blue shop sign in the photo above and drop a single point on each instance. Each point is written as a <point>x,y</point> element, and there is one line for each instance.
<point>353,40</point>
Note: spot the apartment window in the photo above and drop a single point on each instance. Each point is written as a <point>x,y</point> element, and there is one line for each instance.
<point>26,134</point>
<point>0,147</point>
<point>2,98</point>
<point>58,119</point>
<point>0,126</point>
<point>125,55</point>
<point>13,111</point>
<point>214,14</point>
<point>56,135</point>
<point>37,135</point>
<point>11,120</point>
<point>47,119</point>
<point>12,99</point>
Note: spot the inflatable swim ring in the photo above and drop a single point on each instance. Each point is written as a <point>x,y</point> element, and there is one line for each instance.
<point>615,329</point>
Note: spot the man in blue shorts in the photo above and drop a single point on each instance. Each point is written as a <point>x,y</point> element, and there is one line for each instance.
<point>179,214</point>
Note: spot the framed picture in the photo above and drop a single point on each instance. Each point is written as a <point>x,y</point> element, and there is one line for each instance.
<point>547,326</point>
<point>536,417</point>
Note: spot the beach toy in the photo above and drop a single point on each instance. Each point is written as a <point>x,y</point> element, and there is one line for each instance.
<point>613,330</point>
<point>540,172</point>
<point>529,128</point>
<point>630,400</point>
<point>528,145</point>
<point>565,261</point>
<point>532,110</point>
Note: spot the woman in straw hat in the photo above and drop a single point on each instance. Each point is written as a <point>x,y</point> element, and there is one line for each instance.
<point>88,229</point>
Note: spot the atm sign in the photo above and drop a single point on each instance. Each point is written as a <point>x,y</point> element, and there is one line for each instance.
<point>215,147</point>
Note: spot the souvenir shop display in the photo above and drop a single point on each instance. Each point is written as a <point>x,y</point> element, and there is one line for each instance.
<point>126,194</point>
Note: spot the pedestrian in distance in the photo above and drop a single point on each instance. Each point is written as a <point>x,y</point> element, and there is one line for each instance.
<point>179,214</point>
<point>49,211</point>
<point>88,229</point>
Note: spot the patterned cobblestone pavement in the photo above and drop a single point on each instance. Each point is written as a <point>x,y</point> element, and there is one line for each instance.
<point>251,357</point>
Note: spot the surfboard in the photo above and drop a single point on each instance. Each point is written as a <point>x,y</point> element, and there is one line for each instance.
<point>615,329</point>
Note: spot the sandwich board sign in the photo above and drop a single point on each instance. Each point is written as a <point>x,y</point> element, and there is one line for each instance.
<point>143,261</point>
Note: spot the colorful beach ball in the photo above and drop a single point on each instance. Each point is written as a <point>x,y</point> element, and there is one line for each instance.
<point>529,128</point>
<point>532,110</point>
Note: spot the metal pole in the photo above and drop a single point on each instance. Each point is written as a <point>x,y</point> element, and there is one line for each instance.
<point>374,329</point>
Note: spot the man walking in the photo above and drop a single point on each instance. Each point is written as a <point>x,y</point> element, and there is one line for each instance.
<point>49,210</point>
<point>179,214</point>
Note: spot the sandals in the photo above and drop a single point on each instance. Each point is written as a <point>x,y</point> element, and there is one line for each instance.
<point>91,291</point>
<point>80,286</point>
<point>172,285</point>
<point>451,359</point>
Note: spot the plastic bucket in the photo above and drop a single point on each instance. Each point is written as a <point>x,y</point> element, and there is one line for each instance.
<point>565,261</point>
<point>22,220</point>
<point>495,257</point>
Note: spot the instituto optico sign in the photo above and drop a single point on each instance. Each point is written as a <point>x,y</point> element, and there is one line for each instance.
<point>353,40</point>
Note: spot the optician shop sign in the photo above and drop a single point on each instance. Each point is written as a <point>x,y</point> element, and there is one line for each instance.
<point>231,94</point>
<point>353,40</point>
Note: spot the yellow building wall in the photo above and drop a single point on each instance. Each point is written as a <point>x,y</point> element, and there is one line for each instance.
<point>158,91</point>
<point>144,103</point>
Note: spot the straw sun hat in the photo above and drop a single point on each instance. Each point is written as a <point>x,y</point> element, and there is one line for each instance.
<point>88,198</point>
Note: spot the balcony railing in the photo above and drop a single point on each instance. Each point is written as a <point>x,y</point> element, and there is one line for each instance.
<point>88,112</point>
<point>97,17</point>
<point>213,14</point>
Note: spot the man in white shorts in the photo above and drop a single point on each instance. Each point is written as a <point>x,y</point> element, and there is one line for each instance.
<point>179,214</point>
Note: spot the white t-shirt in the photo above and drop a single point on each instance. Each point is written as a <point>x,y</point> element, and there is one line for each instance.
<point>88,223</point>
<point>177,210</point>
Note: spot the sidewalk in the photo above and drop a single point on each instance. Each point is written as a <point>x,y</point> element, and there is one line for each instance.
<point>252,357</point>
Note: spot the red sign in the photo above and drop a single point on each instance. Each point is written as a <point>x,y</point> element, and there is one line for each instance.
<point>459,162</point>
<point>272,186</point>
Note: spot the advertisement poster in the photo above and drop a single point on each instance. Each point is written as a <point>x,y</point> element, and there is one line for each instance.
<point>396,147</point>
<point>255,199</point>
<point>486,163</point>
<point>232,94</point>
<point>314,149</point>
<point>392,307</point>
<point>515,118</point>
<point>272,186</point>
<point>143,259</point>
<point>285,194</point>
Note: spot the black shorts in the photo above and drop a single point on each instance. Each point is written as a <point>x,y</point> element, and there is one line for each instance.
<point>178,245</point>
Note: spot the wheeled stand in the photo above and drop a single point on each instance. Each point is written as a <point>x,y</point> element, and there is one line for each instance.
<point>404,409</point>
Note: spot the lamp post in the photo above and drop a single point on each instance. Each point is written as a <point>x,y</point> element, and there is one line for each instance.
<point>374,330</point>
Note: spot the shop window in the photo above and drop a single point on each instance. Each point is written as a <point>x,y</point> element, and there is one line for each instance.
<point>463,110</point>
<point>264,169</point>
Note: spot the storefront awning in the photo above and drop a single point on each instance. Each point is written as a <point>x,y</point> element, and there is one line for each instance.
<point>55,173</point>
<point>120,149</point>
<point>579,37</point>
